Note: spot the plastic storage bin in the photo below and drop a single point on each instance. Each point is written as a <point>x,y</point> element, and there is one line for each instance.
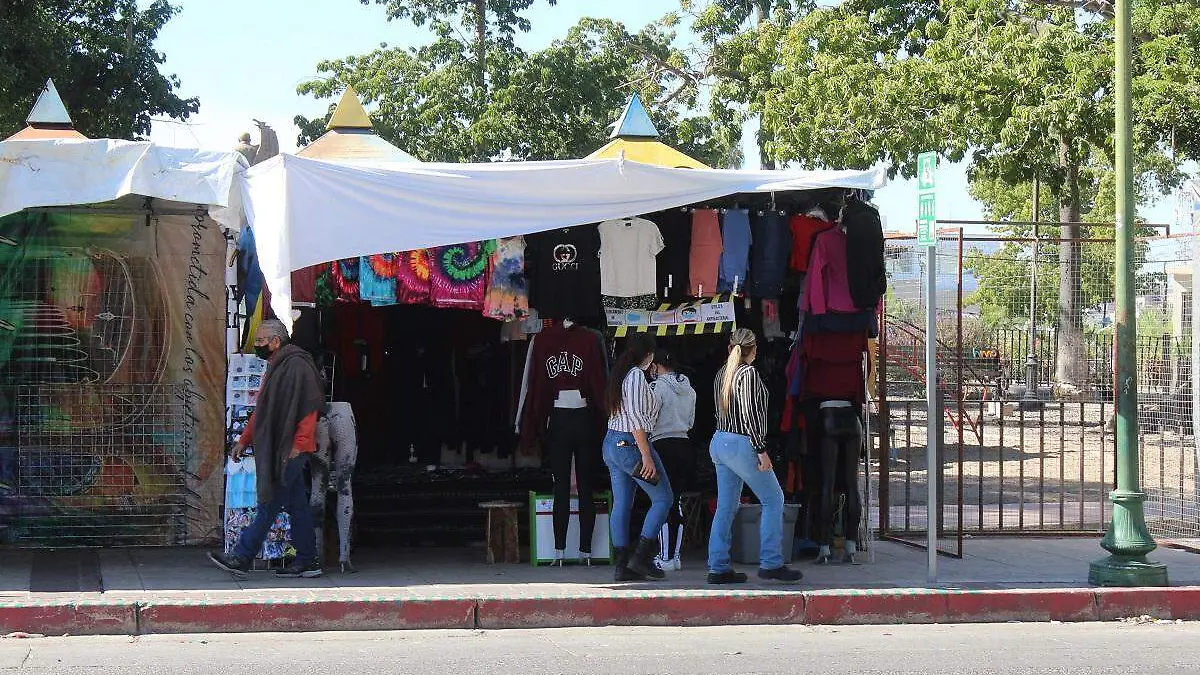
<point>745,532</point>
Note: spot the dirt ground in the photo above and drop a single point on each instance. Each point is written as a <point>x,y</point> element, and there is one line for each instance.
<point>1049,469</point>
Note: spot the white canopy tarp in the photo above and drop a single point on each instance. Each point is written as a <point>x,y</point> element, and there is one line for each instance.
<point>68,172</point>
<point>307,211</point>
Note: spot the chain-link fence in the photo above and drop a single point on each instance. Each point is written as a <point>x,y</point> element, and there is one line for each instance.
<point>1025,353</point>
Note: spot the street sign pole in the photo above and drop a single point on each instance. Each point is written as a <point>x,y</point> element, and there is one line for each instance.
<point>927,238</point>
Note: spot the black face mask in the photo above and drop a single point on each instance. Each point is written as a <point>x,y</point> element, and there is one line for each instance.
<point>262,351</point>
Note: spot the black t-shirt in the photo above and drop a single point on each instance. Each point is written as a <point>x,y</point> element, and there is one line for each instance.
<point>674,261</point>
<point>563,269</point>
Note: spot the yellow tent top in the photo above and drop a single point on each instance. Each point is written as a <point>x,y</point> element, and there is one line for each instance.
<point>635,136</point>
<point>647,151</point>
<point>349,113</point>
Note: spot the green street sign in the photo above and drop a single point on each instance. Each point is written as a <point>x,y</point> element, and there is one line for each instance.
<point>926,171</point>
<point>927,220</point>
<point>927,199</point>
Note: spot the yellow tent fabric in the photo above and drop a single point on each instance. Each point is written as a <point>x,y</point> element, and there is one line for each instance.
<point>647,151</point>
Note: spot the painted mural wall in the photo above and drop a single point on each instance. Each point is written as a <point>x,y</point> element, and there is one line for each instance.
<point>112,367</point>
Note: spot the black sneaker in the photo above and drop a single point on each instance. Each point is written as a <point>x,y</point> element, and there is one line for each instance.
<point>234,564</point>
<point>729,577</point>
<point>297,570</point>
<point>784,573</point>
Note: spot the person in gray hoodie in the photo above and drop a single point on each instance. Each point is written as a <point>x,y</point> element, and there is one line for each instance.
<point>676,417</point>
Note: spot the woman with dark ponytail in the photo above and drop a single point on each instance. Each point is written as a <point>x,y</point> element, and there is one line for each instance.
<point>631,460</point>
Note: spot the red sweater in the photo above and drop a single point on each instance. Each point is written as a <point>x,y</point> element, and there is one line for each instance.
<point>562,359</point>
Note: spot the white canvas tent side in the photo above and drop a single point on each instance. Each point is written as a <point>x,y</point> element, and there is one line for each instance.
<point>305,211</point>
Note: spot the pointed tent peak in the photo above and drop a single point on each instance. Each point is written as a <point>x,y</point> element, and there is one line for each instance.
<point>635,121</point>
<point>350,113</point>
<point>49,109</point>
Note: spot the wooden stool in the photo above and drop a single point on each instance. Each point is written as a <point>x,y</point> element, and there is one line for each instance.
<point>502,543</point>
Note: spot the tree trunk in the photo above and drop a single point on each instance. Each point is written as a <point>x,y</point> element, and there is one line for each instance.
<point>481,45</point>
<point>1071,366</point>
<point>762,11</point>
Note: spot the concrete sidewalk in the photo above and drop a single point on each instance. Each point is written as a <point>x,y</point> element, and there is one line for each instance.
<point>177,590</point>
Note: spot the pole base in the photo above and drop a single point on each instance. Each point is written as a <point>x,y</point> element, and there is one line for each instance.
<point>1127,571</point>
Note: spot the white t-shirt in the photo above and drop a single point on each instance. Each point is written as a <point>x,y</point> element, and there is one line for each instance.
<point>628,247</point>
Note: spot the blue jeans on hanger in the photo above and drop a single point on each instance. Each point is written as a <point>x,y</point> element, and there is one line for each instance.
<point>737,463</point>
<point>290,496</point>
<point>621,461</point>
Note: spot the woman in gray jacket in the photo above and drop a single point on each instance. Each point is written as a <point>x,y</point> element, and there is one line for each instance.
<point>676,417</point>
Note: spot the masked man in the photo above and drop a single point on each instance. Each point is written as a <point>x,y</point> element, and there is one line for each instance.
<point>282,431</point>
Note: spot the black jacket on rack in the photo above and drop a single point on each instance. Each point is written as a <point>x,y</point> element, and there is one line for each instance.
<point>865,267</point>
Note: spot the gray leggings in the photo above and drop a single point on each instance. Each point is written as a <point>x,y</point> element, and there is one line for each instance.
<point>337,450</point>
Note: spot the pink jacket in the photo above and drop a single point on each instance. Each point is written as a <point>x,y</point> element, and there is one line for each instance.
<point>827,288</point>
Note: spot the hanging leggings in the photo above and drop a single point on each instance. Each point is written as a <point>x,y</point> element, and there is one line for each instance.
<point>337,449</point>
<point>679,459</point>
<point>572,435</point>
<point>838,432</point>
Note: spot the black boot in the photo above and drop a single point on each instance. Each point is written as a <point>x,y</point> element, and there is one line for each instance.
<point>621,571</point>
<point>642,561</point>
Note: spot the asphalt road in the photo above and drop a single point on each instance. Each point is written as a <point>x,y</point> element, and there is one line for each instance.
<point>1094,649</point>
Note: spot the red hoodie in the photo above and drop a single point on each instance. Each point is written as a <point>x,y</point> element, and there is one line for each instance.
<point>562,359</point>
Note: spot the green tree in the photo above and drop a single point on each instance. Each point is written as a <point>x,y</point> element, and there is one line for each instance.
<point>556,103</point>
<point>484,18</point>
<point>1020,89</point>
<point>101,57</point>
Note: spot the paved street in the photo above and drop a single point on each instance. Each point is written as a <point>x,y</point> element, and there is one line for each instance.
<point>1016,649</point>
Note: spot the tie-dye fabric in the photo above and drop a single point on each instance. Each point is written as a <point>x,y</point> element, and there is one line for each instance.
<point>458,274</point>
<point>345,274</point>
<point>412,278</point>
<point>507,297</point>
<point>377,278</point>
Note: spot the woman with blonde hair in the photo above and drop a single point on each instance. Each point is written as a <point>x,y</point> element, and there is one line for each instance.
<point>739,453</point>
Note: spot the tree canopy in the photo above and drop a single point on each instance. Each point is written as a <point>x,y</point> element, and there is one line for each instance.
<point>100,55</point>
<point>556,103</point>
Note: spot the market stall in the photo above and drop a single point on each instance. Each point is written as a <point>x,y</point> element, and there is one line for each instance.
<point>112,358</point>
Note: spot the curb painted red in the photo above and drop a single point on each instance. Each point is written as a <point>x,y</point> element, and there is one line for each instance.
<point>312,615</point>
<point>69,619</point>
<point>641,611</point>
<point>1022,605</point>
<point>875,607</point>
<point>1160,603</point>
<point>225,615</point>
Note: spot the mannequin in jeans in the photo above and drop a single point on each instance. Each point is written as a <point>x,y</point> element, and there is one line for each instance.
<point>739,453</point>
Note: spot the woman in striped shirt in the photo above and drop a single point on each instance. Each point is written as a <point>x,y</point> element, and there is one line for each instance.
<point>739,452</point>
<point>631,460</point>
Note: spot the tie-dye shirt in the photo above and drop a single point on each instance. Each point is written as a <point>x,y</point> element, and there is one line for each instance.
<point>507,297</point>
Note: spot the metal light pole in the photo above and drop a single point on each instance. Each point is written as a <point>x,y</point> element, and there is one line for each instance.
<point>1128,541</point>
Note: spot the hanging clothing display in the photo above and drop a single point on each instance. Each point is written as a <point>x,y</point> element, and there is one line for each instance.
<point>412,278</point>
<point>866,270</point>
<point>826,286</point>
<point>344,274</point>
<point>567,361</point>
<point>628,250</point>
<point>563,268</point>
<point>832,366</point>
<point>735,253</point>
<point>772,244</point>
<point>705,259</point>
<point>507,297</point>
<point>675,227</point>
<point>377,278</point>
<point>804,229</point>
<point>458,275</point>
<point>304,285</point>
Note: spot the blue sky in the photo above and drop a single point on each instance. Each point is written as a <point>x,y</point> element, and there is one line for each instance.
<point>245,59</point>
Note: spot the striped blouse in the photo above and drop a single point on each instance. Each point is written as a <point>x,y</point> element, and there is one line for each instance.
<point>747,414</point>
<point>639,408</point>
